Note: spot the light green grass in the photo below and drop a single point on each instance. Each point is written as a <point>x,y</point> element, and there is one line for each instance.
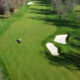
<point>25,61</point>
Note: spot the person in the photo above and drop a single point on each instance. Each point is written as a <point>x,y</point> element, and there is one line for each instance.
<point>19,40</point>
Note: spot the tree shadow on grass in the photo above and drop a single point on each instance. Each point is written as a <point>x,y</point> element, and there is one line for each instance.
<point>76,46</point>
<point>44,1</point>
<point>69,60</point>
<point>1,17</point>
<point>54,20</point>
<point>75,39</point>
<point>63,23</point>
<point>42,11</point>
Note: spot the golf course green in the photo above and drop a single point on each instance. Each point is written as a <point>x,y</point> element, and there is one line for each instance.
<point>26,61</point>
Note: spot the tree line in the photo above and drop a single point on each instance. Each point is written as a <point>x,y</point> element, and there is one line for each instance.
<point>7,6</point>
<point>63,7</point>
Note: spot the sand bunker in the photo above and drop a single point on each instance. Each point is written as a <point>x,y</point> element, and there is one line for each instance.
<point>30,3</point>
<point>52,48</point>
<point>61,38</point>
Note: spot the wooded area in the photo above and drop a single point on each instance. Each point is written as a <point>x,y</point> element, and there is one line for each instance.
<point>63,7</point>
<point>7,6</point>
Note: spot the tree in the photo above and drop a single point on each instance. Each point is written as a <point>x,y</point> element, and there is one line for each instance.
<point>59,7</point>
<point>53,3</point>
<point>10,5</point>
<point>70,5</point>
<point>62,7</point>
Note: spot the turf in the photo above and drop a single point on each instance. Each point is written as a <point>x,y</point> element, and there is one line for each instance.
<point>26,61</point>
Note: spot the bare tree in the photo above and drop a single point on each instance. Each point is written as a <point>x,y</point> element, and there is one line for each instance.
<point>62,7</point>
<point>10,5</point>
<point>70,5</point>
<point>53,3</point>
<point>59,7</point>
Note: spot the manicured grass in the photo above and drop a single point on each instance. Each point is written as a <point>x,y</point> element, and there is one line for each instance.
<point>69,53</point>
<point>26,61</point>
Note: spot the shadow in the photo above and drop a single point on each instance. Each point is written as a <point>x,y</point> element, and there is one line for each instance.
<point>75,39</point>
<point>75,45</point>
<point>1,17</point>
<point>54,19</point>
<point>19,41</point>
<point>44,2</point>
<point>77,11</point>
<point>59,23</point>
<point>69,60</point>
<point>66,21</point>
<point>1,11</point>
<point>2,14</point>
<point>42,11</point>
<point>4,70</point>
<point>11,10</point>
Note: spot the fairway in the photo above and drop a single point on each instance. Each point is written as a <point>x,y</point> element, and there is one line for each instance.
<point>25,61</point>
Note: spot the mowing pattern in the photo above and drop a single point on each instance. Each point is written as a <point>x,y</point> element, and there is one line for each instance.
<point>25,61</point>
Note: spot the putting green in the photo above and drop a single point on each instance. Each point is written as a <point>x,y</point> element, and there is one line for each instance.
<point>25,61</point>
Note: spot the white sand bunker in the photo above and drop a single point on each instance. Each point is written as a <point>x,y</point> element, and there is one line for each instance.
<point>30,3</point>
<point>61,39</point>
<point>53,49</point>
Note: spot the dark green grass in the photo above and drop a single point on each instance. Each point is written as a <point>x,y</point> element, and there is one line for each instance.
<point>69,53</point>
